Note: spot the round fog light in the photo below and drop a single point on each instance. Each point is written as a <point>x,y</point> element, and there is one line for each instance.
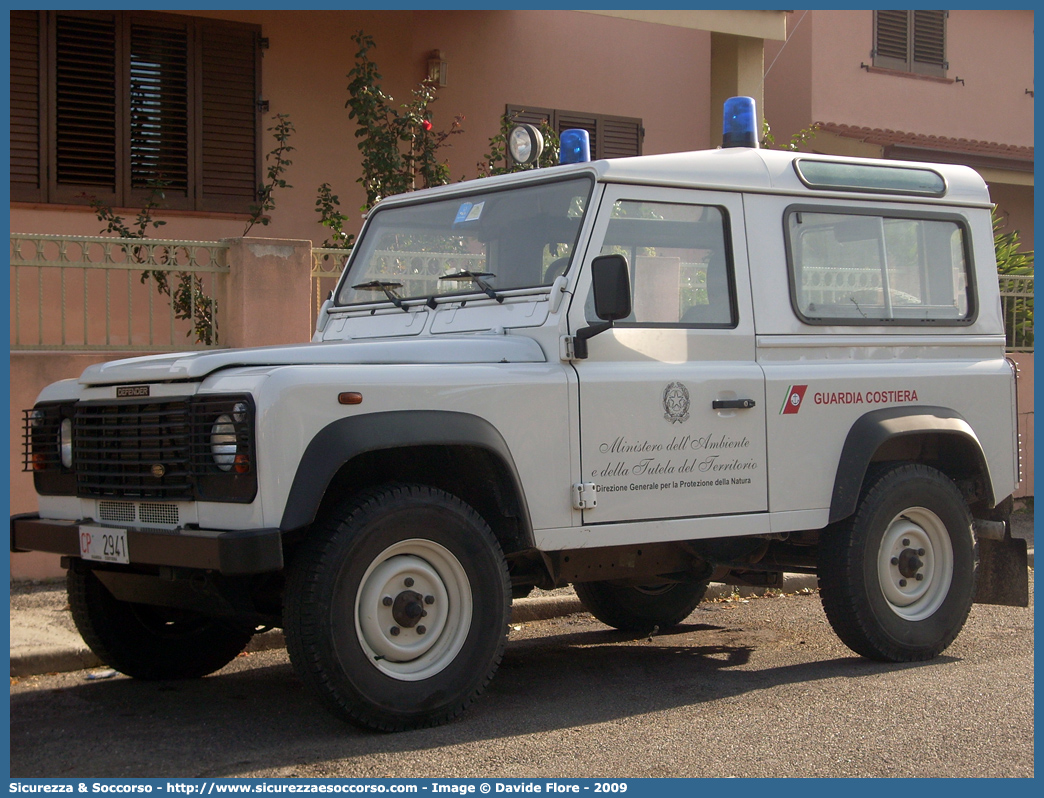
<point>525,143</point>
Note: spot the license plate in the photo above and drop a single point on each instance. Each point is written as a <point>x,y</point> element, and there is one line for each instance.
<point>104,544</point>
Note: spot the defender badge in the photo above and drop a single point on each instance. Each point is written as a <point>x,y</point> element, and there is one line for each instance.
<point>676,403</point>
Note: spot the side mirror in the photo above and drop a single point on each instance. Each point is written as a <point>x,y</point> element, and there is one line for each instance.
<point>611,283</point>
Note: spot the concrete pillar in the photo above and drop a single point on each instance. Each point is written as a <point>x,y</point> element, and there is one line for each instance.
<point>737,69</point>
<point>1025,363</point>
<point>266,298</point>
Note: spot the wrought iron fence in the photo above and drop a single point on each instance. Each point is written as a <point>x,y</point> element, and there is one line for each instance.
<point>417,271</point>
<point>327,265</point>
<point>96,293</point>
<point>1016,291</point>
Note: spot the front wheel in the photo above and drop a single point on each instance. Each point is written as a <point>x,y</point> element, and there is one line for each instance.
<point>147,642</point>
<point>897,579</point>
<point>638,608</point>
<point>396,609</point>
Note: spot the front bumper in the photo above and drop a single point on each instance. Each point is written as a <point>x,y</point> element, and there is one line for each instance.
<point>251,551</point>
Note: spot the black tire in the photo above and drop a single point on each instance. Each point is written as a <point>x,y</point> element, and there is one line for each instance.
<point>911,520</point>
<point>383,543</point>
<point>639,608</point>
<point>147,642</point>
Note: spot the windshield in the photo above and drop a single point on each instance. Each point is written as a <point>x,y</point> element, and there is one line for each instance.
<point>487,242</point>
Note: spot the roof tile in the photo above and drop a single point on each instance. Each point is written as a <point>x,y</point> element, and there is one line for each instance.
<point>884,138</point>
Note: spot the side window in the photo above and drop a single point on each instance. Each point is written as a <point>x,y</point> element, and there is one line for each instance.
<point>681,271</point>
<point>873,269</point>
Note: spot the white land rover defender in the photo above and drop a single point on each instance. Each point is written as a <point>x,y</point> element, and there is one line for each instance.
<point>635,376</point>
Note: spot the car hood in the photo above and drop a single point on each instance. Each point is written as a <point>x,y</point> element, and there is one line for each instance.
<point>440,350</point>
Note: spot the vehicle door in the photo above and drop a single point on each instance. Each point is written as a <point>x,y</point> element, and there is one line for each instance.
<point>672,403</point>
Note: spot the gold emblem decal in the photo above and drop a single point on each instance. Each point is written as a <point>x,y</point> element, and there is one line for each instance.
<point>158,470</point>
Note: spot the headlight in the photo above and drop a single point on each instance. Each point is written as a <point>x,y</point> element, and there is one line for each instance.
<point>223,442</point>
<point>65,442</point>
<point>222,448</point>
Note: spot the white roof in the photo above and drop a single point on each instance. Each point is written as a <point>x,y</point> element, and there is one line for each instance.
<point>734,169</point>
<point>772,171</point>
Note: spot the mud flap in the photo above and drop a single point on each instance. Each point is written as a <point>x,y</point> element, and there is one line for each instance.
<point>1003,572</point>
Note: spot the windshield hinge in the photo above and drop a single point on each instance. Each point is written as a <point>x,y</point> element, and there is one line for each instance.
<point>565,347</point>
<point>585,496</point>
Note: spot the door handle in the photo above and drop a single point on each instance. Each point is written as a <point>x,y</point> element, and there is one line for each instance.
<point>732,404</point>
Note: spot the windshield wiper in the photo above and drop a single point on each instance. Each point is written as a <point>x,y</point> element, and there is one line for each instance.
<point>477,279</point>
<point>387,287</point>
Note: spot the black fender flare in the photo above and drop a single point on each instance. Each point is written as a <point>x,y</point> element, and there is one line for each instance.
<point>341,440</point>
<point>873,429</point>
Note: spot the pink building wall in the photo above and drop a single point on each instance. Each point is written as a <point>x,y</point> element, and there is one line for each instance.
<point>557,59</point>
<point>992,51</point>
<point>816,76</point>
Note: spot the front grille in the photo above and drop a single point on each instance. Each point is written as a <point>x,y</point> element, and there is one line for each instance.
<point>150,513</point>
<point>145,513</point>
<point>122,512</point>
<point>133,450</point>
<point>150,452</point>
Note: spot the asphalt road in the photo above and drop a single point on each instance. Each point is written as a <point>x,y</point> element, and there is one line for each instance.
<point>751,688</point>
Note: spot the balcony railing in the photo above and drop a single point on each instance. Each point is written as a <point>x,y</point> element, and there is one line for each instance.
<point>417,271</point>
<point>95,293</point>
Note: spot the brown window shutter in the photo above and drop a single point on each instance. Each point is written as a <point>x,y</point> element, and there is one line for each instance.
<point>621,137</point>
<point>929,42</point>
<point>611,136</point>
<point>230,119</point>
<point>104,104</point>
<point>892,39</point>
<point>160,136</point>
<point>86,115</point>
<point>528,115</point>
<point>27,177</point>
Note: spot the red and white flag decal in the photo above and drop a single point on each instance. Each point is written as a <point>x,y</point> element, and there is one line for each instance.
<point>795,393</point>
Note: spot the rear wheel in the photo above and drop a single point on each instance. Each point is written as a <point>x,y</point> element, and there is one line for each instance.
<point>638,608</point>
<point>147,642</point>
<point>396,609</point>
<point>897,579</point>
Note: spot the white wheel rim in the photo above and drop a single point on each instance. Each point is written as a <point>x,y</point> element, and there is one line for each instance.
<point>915,564</point>
<point>424,627</point>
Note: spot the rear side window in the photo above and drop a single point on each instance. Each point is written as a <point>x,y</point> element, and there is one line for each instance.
<point>864,268</point>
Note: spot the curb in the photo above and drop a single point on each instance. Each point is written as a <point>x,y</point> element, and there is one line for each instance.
<point>527,610</point>
<point>55,661</point>
<point>541,608</point>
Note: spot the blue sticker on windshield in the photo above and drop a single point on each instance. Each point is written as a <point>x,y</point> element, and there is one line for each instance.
<point>469,212</point>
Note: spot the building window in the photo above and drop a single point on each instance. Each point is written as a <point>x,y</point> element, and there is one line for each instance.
<point>112,104</point>
<point>611,136</point>
<point>911,41</point>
